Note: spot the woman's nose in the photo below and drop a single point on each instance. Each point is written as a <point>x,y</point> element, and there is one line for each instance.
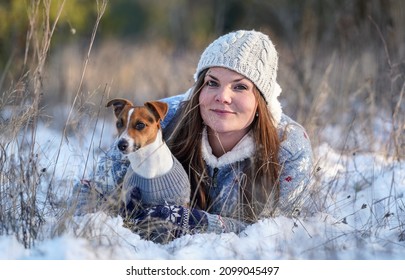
<point>224,95</point>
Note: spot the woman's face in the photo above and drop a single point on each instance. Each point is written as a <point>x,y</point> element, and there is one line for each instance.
<point>227,102</point>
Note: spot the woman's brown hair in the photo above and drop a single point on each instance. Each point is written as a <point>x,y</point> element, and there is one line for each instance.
<point>259,188</point>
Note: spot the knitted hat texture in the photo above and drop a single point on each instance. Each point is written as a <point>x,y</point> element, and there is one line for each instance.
<point>251,54</point>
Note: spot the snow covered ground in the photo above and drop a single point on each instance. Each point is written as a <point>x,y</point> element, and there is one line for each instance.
<point>361,197</point>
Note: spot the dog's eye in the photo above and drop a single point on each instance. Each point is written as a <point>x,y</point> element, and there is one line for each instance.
<point>119,123</point>
<point>140,126</point>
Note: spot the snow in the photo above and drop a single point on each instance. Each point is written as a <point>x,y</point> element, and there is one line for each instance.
<point>361,198</point>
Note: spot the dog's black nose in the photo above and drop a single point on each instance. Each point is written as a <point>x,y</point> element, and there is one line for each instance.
<point>122,145</point>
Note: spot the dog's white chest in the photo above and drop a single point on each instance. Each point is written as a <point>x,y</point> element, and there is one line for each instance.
<point>152,160</point>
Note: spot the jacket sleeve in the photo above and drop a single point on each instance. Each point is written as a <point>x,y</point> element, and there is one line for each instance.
<point>103,184</point>
<point>220,224</point>
<point>162,223</point>
<point>296,161</point>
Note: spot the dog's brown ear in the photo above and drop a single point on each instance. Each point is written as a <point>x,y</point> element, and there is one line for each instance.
<point>118,105</point>
<point>159,108</point>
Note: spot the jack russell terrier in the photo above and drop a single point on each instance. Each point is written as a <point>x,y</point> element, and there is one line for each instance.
<point>155,176</point>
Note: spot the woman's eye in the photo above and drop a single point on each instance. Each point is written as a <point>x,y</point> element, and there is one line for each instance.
<point>212,83</point>
<point>241,87</point>
<point>140,126</point>
<point>119,123</point>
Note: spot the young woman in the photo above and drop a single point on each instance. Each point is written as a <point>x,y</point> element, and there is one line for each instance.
<point>245,159</point>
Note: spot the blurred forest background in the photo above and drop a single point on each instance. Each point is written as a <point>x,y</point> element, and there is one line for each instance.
<point>341,68</point>
<point>341,61</point>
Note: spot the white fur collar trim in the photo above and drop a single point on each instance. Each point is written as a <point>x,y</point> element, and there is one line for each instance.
<point>243,150</point>
<point>274,106</point>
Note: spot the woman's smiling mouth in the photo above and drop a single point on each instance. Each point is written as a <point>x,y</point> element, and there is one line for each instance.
<point>222,112</point>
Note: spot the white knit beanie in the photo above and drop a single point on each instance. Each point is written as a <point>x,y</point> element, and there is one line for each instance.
<point>251,54</point>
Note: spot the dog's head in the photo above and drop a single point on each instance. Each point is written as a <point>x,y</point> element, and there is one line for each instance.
<point>137,125</point>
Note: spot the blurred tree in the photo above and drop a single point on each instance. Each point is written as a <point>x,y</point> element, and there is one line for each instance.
<point>316,25</point>
<point>124,19</point>
<point>77,18</point>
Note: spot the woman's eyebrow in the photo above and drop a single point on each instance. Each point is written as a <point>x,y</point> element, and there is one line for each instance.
<point>212,77</point>
<point>238,80</point>
<point>234,81</point>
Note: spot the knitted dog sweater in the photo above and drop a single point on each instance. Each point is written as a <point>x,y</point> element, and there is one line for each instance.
<point>170,188</point>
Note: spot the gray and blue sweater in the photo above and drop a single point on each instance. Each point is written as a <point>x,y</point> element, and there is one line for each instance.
<point>295,158</point>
